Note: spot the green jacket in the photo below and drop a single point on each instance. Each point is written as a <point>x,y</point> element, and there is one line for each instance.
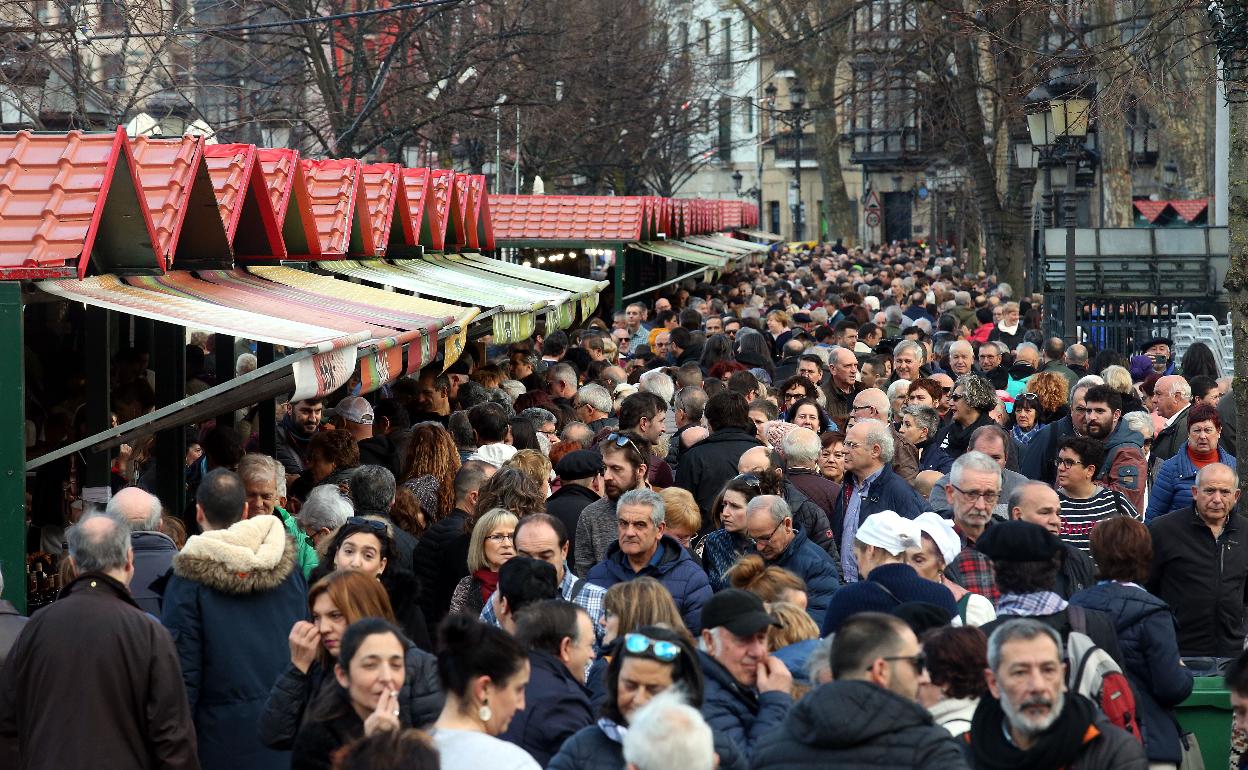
<point>306,553</point>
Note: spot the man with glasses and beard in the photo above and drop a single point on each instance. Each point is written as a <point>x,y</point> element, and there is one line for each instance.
<point>1031,721</point>
<point>1124,468</point>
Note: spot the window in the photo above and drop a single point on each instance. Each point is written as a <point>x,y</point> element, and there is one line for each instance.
<point>684,37</point>
<point>112,15</point>
<point>706,37</point>
<point>749,36</point>
<point>113,72</point>
<point>773,216</point>
<point>704,118</point>
<point>725,49</point>
<point>725,129</point>
<point>747,114</point>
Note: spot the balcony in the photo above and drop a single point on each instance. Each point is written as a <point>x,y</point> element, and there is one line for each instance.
<point>886,148</point>
<point>786,150</point>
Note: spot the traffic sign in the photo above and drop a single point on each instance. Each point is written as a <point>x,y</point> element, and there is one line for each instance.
<point>873,202</point>
<point>873,219</point>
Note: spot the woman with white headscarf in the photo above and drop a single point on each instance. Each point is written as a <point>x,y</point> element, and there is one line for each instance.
<point>940,546</point>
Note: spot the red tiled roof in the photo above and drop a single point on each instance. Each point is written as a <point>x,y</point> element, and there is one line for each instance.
<point>166,170</point>
<point>279,166</point>
<point>1150,209</point>
<point>292,205</point>
<point>1189,210</point>
<point>566,217</point>
<point>55,196</point>
<point>460,233</point>
<point>245,201</point>
<point>438,206</point>
<point>415,185</point>
<point>333,186</point>
<point>480,219</point>
<point>382,188</point>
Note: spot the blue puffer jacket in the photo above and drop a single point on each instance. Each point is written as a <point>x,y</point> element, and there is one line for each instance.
<point>556,706</point>
<point>1172,489</point>
<point>741,713</point>
<point>675,569</point>
<point>813,565</point>
<point>593,749</point>
<point>1146,632</point>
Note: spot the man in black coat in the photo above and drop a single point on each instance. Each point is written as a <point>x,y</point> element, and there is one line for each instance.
<point>441,557</point>
<point>581,473</point>
<point>868,715</point>
<point>1200,566</point>
<point>116,664</point>
<point>707,465</point>
<point>1037,503</point>
<point>560,638</point>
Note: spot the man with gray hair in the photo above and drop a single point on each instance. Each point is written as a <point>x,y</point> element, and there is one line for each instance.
<point>372,494</point>
<point>153,549</point>
<point>769,526</point>
<point>1173,396</point>
<point>961,358</point>
<point>873,403</point>
<point>667,733</point>
<point>593,407</point>
<point>1031,720</point>
<point>265,481</point>
<point>802,448</point>
<point>973,490</point>
<point>116,661</point>
<point>870,486</point>
<point>325,511</point>
<point>688,409</point>
<point>644,550</point>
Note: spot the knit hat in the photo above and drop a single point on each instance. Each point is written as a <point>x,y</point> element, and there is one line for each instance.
<point>890,531</point>
<point>1141,367</point>
<point>940,530</point>
<point>775,431</point>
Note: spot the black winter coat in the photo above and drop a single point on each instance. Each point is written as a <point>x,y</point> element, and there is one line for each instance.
<point>1078,572</point>
<point>853,724</point>
<point>420,699</point>
<point>556,706</point>
<point>1037,461</point>
<point>813,520</point>
<point>592,749</point>
<point>1203,580</point>
<point>441,561</point>
<point>708,464</point>
<point>319,739</point>
<point>742,714</point>
<point>566,506</point>
<point>1146,631</point>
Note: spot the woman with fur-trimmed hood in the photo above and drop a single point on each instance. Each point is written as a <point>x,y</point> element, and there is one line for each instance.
<point>231,600</point>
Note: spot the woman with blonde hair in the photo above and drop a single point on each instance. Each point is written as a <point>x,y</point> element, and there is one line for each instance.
<point>492,544</point>
<point>535,465</point>
<point>626,608</point>
<point>336,601</point>
<point>1118,379</point>
<point>771,584</point>
<point>681,515</point>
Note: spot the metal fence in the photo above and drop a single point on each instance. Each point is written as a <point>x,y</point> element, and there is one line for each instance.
<point>1123,326</point>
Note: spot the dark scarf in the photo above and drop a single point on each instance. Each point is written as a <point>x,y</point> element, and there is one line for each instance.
<point>1056,747</point>
<point>960,437</point>
<point>489,582</point>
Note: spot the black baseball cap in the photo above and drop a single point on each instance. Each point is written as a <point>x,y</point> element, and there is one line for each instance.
<point>741,612</point>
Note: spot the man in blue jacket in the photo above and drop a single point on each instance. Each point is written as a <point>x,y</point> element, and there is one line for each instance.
<point>747,691</point>
<point>233,597</point>
<point>870,486</point>
<point>644,550</point>
<point>769,524</point>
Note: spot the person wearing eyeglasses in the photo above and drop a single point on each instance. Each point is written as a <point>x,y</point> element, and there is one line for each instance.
<point>1031,720</point>
<point>770,530</point>
<point>868,716</point>
<point>234,594</point>
<point>973,490</point>
<point>645,663</point>
<point>1084,501</point>
<point>492,545</point>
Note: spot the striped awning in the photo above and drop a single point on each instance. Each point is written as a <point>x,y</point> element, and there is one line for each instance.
<point>693,256</point>
<point>585,290</point>
<point>759,235</point>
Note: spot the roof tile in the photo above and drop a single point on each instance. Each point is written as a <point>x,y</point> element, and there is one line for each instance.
<point>381,190</point>
<point>167,169</point>
<point>332,189</point>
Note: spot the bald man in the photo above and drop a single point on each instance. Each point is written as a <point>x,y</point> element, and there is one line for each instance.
<point>873,404</point>
<point>153,549</point>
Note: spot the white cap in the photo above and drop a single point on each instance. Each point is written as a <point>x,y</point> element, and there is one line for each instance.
<point>940,530</point>
<point>494,454</point>
<point>871,302</point>
<point>890,531</point>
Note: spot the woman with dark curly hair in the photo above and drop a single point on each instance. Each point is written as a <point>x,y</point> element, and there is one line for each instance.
<point>429,470</point>
<point>1198,361</point>
<point>956,659</point>
<point>973,399</point>
<point>512,490</point>
<point>1054,392</point>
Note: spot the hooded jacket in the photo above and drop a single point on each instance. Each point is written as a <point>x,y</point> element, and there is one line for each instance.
<point>1124,468</point>
<point>742,714</point>
<point>674,568</point>
<point>1172,485</point>
<point>230,604</point>
<point>556,706</point>
<point>1147,634</point>
<point>708,464</point>
<point>818,570</point>
<point>853,724</point>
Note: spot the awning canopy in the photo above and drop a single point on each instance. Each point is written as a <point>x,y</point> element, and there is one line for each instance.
<point>759,235</point>
<point>670,250</point>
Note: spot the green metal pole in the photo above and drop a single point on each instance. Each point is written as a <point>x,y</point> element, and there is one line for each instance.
<point>12,446</point>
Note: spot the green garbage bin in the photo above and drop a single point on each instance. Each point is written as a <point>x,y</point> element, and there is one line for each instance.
<point>1207,713</point>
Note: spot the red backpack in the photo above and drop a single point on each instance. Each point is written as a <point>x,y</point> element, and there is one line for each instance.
<point>1095,675</point>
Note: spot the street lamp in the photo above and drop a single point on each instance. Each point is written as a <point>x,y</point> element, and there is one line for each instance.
<point>797,103</point>
<point>1054,120</point>
<point>737,178</point>
<point>1170,176</point>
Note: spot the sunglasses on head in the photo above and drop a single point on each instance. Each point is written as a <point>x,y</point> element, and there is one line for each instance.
<point>748,479</point>
<point>622,440</point>
<point>366,523</point>
<point>640,644</point>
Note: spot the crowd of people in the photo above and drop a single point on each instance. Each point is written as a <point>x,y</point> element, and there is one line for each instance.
<point>841,509</point>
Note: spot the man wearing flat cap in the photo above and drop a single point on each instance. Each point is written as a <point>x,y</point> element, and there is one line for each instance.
<point>747,690</point>
<point>1026,558</point>
<point>581,475</point>
<point>1159,349</point>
